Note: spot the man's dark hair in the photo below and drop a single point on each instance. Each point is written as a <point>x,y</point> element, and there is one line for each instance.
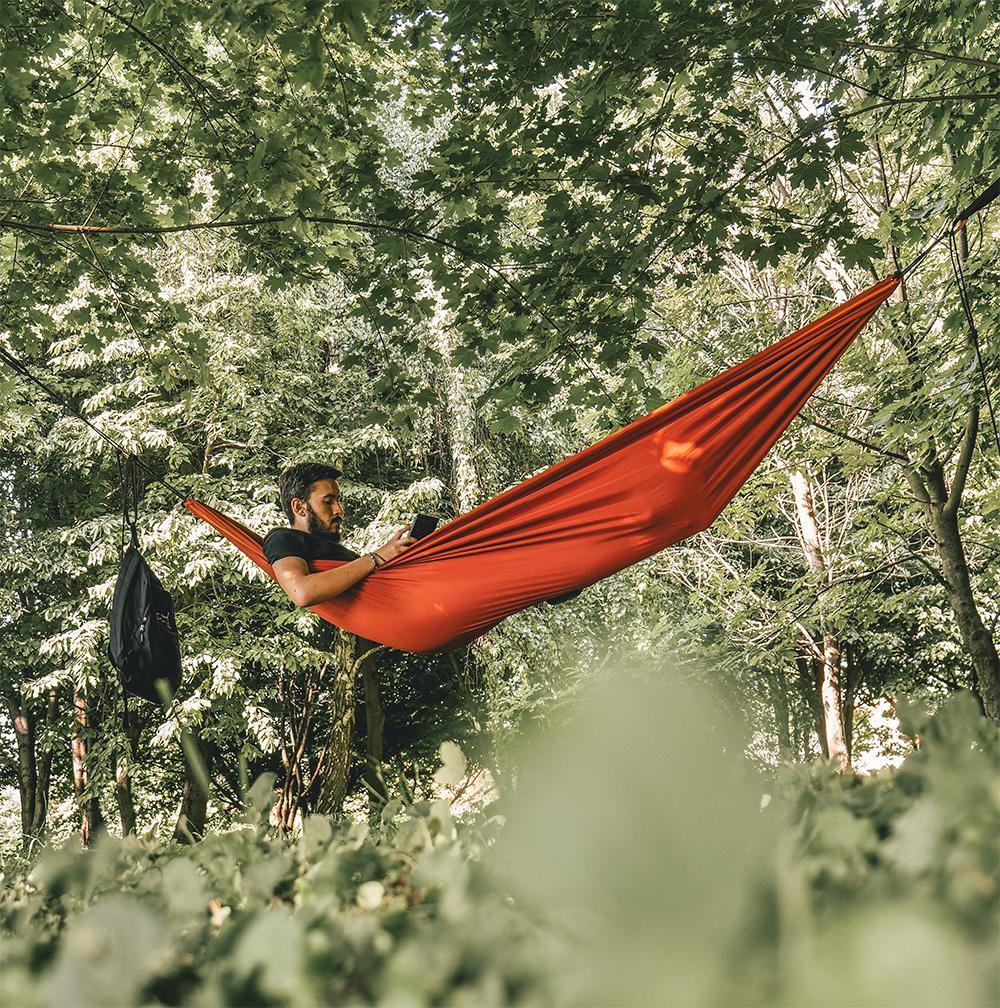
<point>297,481</point>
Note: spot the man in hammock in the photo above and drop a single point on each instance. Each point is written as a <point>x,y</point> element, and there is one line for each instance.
<point>310,498</point>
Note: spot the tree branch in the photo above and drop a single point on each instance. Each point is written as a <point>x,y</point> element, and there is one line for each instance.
<point>964,461</point>
<point>919,488</point>
<point>921,98</point>
<point>96,229</point>
<point>923,561</point>
<point>932,53</point>
<point>184,74</point>
<point>888,453</point>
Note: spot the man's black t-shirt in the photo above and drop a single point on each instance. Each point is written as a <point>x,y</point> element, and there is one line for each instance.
<point>286,542</point>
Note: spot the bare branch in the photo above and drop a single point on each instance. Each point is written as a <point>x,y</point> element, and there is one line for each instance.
<point>888,453</point>
<point>96,229</point>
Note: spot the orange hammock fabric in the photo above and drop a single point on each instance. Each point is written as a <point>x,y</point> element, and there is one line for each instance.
<point>661,479</point>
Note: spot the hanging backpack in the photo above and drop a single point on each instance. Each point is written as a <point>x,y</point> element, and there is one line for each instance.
<point>143,646</point>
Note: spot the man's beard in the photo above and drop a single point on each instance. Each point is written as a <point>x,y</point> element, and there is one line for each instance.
<point>317,528</point>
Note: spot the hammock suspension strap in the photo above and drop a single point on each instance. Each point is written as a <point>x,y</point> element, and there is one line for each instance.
<point>961,283</point>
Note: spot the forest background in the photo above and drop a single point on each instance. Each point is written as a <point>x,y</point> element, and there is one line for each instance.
<point>443,248</point>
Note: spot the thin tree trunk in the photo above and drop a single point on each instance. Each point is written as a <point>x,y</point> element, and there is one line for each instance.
<point>336,760</point>
<point>807,670</point>
<point>91,819</point>
<point>43,757</point>
<point>123,778</point>
<point>374,734</point>
<point>779,704</point>
<point>459,413</point>
<point>977,639</point>
<point>123,795</point>
<point>829,657</point>
<point>940,508</point>
<point>23,720</point>
<point>850,686</point>
<point>833,703</point>
<point>940,504</point>
<point>298,695</point>
<point>190,826</point>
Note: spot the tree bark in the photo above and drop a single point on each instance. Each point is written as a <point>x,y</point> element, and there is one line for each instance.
<point>460,414</point>
<point>779,704</point>
<point>190,826</point>
<point>123,778</point>
<point>940,503</point>
<point>850,685</point>
<point>829,656</point>
<point>123,795</point>
<point>809,677</point>
<point>374,734</point>
<point>941,512</point>
<point>833,703</point>
<point>23,720</point>
<point>336,758</point>
<point>298,695</point>
<point>91,819</point>
<point>43,759</point>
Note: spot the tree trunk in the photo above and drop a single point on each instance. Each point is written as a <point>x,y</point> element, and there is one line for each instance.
<point>336,759</point>
<point>43,758</point>
<point>123,777</point>
<point>977,639</point>
<point>23,720</point>
<point>190,825</point>
<point>833,703</point>
<point>298,694</point>
<point>91,819</point>
<point>940,504</point>
<point>779,704</point>
<point>809,681</point>
<point>460,413</point>
<point>941,509</point>
<point>374,735</point>
<point>850,685</point>
<point>123,795</point>
<point>829,656</point>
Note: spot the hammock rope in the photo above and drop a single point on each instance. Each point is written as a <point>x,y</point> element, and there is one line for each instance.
<point>958,272</point>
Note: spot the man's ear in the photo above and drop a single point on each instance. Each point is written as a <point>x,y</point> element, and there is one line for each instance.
<point>299,507</point>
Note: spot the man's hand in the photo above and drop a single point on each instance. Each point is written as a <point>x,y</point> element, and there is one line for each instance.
<point>399,543</point>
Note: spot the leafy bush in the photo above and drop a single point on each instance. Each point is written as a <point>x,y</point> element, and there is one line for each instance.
<point>641,861</point>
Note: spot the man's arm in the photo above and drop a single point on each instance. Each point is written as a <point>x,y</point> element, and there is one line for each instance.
<point>306,588</point>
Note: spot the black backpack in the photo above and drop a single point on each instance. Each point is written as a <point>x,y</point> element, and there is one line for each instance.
<point>143,645</point>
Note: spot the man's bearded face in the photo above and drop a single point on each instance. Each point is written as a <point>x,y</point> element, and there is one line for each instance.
<point>324,512</point>
<point>317,525</point>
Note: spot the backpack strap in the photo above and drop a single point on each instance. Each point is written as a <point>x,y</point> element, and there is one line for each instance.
<point>131,491</point>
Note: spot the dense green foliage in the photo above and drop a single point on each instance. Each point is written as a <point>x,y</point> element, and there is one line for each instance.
<point>694,891</point>
<point>444,247</point>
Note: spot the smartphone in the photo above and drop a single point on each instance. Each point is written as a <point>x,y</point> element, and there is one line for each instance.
<point>422,525</point>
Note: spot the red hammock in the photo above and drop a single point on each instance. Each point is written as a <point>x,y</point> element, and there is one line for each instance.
<point>647,486</point>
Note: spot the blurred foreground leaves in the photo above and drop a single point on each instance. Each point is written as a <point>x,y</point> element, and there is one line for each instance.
<point>643,860</point>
